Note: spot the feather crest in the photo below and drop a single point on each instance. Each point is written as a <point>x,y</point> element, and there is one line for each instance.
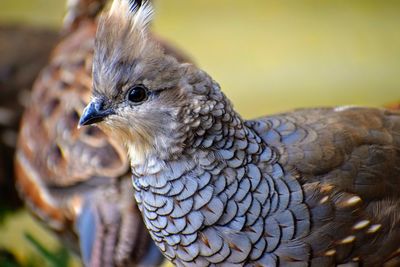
<point>137,13</point>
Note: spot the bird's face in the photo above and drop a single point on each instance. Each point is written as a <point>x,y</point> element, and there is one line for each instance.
<point>145,110</point>
<point>140,95</point>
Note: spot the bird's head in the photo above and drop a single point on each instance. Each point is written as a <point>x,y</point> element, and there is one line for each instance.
<point>144,97</point>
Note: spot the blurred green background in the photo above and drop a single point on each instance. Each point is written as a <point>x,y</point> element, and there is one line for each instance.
<point>268,56</point>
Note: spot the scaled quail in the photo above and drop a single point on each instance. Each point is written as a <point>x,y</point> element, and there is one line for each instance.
<point>314,187</point>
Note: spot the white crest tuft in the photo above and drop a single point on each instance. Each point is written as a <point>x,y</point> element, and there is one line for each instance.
<point>138,13</point>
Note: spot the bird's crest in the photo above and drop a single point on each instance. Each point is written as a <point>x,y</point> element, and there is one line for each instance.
<point>122,37</point>
<point>137,13</point>
<point>124,28</point>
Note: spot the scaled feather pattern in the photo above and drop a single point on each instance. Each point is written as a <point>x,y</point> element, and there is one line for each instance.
<point>312,187</point>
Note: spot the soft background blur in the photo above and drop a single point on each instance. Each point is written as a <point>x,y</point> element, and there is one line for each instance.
<point>268,56</point>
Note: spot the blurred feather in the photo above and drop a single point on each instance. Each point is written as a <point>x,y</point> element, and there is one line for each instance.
<point>19,65</point>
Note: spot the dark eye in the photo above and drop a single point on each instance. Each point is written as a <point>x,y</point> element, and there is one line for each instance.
<point>137,94</point>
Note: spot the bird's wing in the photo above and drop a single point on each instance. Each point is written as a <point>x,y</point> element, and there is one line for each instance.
<point>355,149</point>
<point>347,161</point>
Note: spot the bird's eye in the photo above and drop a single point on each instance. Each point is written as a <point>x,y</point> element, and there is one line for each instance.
<point>137,94</point>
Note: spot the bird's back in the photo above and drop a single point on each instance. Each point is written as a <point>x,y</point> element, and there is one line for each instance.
<point>347,162</point>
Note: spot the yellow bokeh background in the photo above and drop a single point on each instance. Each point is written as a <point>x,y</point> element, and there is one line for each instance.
<point>269,56</point>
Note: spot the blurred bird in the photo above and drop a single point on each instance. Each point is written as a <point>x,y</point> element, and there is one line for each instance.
<point>79,11</point>
<point>77,182</point>
<point>19,66</point>
<point>314,187</point>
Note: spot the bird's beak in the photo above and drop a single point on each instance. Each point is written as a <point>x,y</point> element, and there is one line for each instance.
<point>94,113</point>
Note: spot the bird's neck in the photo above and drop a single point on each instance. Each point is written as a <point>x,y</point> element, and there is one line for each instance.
<point>224,147</point>
<point>195,192</point>
<point>219,154</point>
<point>220,166</point>
<point>204,124</point>
<point>213,126</point>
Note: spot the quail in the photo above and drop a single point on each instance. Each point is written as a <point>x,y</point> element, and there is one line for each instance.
<point>77,182</point>
<point>312,187</point>
<point>19,67</point>
<point>80,11</point>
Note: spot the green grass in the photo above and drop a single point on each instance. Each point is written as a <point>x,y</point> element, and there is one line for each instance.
<point>31,244</point>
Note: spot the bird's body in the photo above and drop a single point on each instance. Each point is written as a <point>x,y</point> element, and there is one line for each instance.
<point>316,187</point>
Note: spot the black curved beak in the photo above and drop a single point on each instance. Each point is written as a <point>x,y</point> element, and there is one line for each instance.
<point>94,113</point>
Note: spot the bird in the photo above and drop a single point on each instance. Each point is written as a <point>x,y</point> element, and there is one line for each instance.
<point>310,187</point>
<point>77,182</point>
<point>79,11</point>
<point>19,67</point>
